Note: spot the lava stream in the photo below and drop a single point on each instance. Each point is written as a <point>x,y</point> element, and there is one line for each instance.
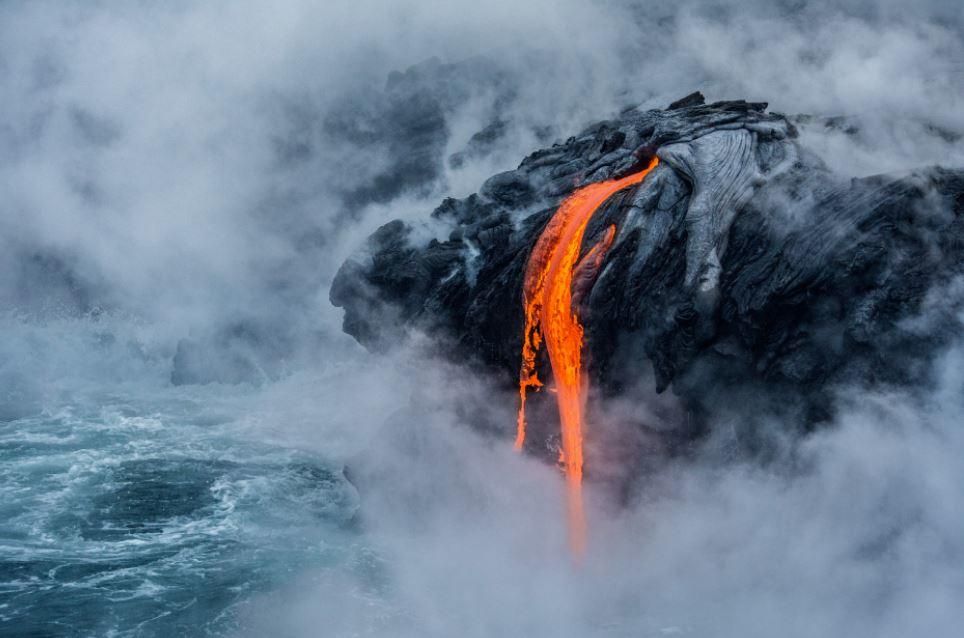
<point>550,317</point>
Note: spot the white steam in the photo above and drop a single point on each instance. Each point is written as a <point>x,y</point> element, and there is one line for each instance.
<point>175,158</point>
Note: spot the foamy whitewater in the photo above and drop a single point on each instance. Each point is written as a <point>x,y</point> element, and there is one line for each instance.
<point>131,508</point>
<point>191,446</point>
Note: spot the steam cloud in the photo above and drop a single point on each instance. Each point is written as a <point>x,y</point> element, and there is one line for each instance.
<point>179,170</point>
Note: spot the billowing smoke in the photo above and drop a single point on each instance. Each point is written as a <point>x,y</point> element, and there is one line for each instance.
<point>856,529</point>
<point>180,182</point>
<point>183,162</point>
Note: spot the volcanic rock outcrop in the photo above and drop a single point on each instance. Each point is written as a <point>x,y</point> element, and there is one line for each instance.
<point>743,274</point>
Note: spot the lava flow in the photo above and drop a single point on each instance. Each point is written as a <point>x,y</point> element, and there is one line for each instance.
<point>551,317</point>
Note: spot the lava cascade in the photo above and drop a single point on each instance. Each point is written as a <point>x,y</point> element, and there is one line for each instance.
<point>550,318</point>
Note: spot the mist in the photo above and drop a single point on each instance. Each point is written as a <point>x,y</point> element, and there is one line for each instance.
<point>180,182</point>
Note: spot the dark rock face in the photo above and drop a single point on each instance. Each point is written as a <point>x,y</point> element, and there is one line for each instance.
<point>744,274</point>
<point>242,352</point>
<point>401,133</point>
<point>43,283</point>
<point>407,124</point>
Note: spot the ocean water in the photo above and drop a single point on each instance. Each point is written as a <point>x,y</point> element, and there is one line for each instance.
<point>129,507</point>
<point>358,498</point>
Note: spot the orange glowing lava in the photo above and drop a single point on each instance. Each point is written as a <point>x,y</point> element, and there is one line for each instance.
<point>550,317</point>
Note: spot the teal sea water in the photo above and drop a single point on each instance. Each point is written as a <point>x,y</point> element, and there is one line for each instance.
<point>130,507</point>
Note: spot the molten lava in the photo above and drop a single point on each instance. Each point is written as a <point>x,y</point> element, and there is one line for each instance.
<point>550,316</point>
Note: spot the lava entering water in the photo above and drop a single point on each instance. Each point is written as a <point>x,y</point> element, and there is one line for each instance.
<point>550,317</point>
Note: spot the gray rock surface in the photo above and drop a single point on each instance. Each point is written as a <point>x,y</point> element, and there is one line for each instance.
<point>744,273</point>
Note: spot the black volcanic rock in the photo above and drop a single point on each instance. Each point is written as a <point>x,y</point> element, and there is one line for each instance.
<point>744,274</point>
<point>407,125</point>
